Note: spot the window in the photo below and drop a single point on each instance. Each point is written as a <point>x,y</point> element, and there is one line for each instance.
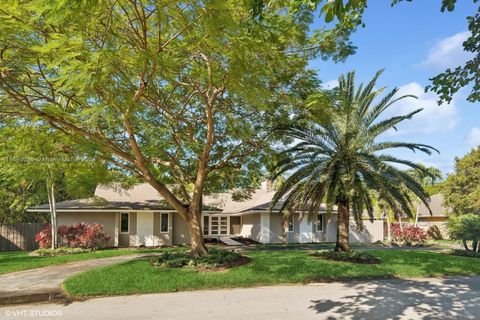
<point>320,222</point>
<point>164,222</point>
<point>205,225</point>
<point>291,225</point>
<point>124,223</point>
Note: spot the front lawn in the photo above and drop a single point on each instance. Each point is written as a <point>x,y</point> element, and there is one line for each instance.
<point>16,261</point>
<point>266,268</point>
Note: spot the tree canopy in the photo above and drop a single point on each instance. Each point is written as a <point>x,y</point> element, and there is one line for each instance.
<point>181,95</point>
<point>32,159</point>
<point>462,188</point>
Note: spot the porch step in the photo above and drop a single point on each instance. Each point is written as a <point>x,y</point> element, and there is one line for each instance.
<point>230,242</point>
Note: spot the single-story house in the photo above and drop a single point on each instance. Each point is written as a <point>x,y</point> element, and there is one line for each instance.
<point>139,216</point>
<point>439,216</point>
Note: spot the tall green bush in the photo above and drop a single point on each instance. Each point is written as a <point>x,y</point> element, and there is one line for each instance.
<point>465,228</point>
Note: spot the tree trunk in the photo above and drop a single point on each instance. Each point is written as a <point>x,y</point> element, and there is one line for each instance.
<point>474,245</point>
<point>416,216</point>
<point>194,224</point>
<point>53,214</point>
<point>465,245</point>
<point>389,231</point>
<point>343,229</point>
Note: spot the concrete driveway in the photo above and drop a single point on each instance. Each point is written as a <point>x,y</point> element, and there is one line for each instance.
<point>437,298</point>
<point>35,283</point>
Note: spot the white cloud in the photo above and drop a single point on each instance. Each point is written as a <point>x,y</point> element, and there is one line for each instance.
<point>433,118</point>
<point>330,84</point>
<point>446,165</point>
<point>473,138</point>
<point>447,52</point>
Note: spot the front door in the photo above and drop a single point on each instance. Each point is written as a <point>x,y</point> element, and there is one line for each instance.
<point>219,226</point>
<point>145,229</point>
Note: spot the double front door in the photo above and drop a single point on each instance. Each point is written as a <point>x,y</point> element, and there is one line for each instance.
<point>214,225</point>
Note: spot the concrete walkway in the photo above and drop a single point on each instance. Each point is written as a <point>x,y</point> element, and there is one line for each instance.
<point>437,298</point>
<point>49,279</point>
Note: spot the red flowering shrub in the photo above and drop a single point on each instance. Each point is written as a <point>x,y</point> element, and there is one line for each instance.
<point>81,235</point>
<point>409,235</point>
<point>92,237</point>
<point>44,237</point>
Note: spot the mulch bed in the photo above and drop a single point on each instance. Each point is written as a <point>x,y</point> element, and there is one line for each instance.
<point>372,261</point>
<point>352,257</point>
<point>226,266</point>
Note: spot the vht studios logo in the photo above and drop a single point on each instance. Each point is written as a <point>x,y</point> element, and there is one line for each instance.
<point>34,313</point>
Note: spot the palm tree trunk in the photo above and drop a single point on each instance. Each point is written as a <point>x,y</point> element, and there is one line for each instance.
<point>343,230</point>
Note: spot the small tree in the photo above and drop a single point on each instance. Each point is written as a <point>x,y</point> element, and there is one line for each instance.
<point>429,177</point>
<point>32,154</point>
<point>462,188</point>
<point>465,228</point>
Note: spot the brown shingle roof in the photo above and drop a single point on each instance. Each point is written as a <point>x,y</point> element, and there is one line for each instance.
<point>437,207</point>
<point>145,197</point>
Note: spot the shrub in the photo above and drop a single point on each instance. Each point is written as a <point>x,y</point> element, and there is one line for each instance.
<point>215,258</point>
<point>434,232</point>
<point>465,228</point>
<point>81,235</point>
<point>44,237</point>
<point>57,252</point>
<point>410,235</point>
<point>352,256</point>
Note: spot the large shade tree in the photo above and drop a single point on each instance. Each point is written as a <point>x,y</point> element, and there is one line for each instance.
<point>182,95</point>
<point>342,163</point>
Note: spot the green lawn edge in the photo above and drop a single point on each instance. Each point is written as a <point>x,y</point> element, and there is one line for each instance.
<point>267,268</point>
<point>19,260</point>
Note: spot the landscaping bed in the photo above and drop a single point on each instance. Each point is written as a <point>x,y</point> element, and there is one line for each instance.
<point>352,256</point>
<point>57,252</point>
<point>216,260</point>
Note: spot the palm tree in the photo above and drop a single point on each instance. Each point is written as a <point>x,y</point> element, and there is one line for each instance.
<point>341,163</point>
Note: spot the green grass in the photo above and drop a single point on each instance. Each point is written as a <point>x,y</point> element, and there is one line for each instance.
<point>16,261</point>
<point>267,268</point>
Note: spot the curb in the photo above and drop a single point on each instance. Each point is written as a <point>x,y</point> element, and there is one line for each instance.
<point>37,296</point>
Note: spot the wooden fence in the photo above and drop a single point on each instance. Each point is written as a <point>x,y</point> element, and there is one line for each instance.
<point>19,236</point>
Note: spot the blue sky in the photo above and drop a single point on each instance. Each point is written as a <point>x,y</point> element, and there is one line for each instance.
<point>413,42</point>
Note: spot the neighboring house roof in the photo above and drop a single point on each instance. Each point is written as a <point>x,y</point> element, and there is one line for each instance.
<point>437,207</point>
<point>145,197</point>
